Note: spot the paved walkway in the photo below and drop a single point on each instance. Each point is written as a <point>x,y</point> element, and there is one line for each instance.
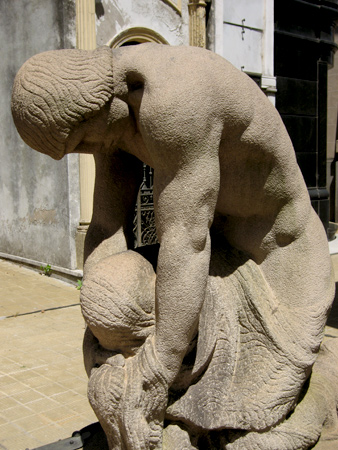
<point>42,380</point>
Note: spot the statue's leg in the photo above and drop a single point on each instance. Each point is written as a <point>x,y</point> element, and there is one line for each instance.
<point>117,298</point>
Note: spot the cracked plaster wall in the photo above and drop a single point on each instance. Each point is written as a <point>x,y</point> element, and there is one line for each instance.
<point>116,16</point>
<point>39,197</point>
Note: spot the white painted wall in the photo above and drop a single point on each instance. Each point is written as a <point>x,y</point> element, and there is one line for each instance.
<point>244,35</point>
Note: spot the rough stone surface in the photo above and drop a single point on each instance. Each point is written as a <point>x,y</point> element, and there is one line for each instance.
<point>217,344</point>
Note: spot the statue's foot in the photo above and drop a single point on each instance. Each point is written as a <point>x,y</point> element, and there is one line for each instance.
<point>129,397</point>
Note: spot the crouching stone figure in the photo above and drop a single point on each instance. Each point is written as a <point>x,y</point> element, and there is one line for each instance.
<point>215,343</point>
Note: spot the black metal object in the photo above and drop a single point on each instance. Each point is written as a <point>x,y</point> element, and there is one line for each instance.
<point>91,437</point>
<point>144,219</point>
<point>304,49</point>
<point>72,443</point>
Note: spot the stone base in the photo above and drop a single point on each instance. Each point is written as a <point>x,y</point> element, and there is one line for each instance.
<point>79,243</point>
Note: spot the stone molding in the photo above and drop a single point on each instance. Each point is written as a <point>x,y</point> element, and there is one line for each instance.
<point>177,5</point>
<point>197,25</point>
<point>139,34</point>
<point>86,40</point>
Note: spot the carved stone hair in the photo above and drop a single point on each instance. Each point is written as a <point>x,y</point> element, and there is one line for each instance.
<point>54,91</point>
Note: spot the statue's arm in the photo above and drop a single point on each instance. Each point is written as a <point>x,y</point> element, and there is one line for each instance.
<point>185,198</point>
<point>117,180</point>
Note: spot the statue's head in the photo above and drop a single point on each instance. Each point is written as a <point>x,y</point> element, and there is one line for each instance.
<point>54,92</point>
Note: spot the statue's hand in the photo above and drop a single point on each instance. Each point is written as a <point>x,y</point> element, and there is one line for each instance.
<point>145,400</point>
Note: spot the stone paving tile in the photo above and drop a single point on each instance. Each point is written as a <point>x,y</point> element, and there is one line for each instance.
<point>43,404</point>
<point>67,398</point>
<point>43,393</point>
<point>23,290</point>
<point>32,422</point>
<point>36,382</point>
<point>42,379</point>
<point>2,421</point>
<point>15,388</point>
<point>6,380</point>
<point>14,437</point>
<point>10,415</point>
<point>27,396</point>
<point>8,403</point>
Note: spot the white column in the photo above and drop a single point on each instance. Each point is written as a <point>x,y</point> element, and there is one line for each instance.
<point>268,78</point>
<point>86,40</point>
<point>197,26</point>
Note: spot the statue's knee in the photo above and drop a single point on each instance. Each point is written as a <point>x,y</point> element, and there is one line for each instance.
<point>117,299</point>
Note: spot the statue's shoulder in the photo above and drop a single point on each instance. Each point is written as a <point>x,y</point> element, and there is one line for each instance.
<point>162,54</point>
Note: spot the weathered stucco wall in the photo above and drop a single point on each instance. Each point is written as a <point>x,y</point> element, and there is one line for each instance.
<point>39,197</point>
<point>116,16</point>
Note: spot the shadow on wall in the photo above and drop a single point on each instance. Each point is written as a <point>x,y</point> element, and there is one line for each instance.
<point>333,317</point>
<point>99,9</point>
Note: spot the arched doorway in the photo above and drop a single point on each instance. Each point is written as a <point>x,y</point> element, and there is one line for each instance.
<point>136,35</point>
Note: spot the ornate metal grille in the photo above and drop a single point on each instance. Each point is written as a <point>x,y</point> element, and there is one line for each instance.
<point>144,219</point>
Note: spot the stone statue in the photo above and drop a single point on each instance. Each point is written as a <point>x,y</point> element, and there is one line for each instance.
<point>213,344</point>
